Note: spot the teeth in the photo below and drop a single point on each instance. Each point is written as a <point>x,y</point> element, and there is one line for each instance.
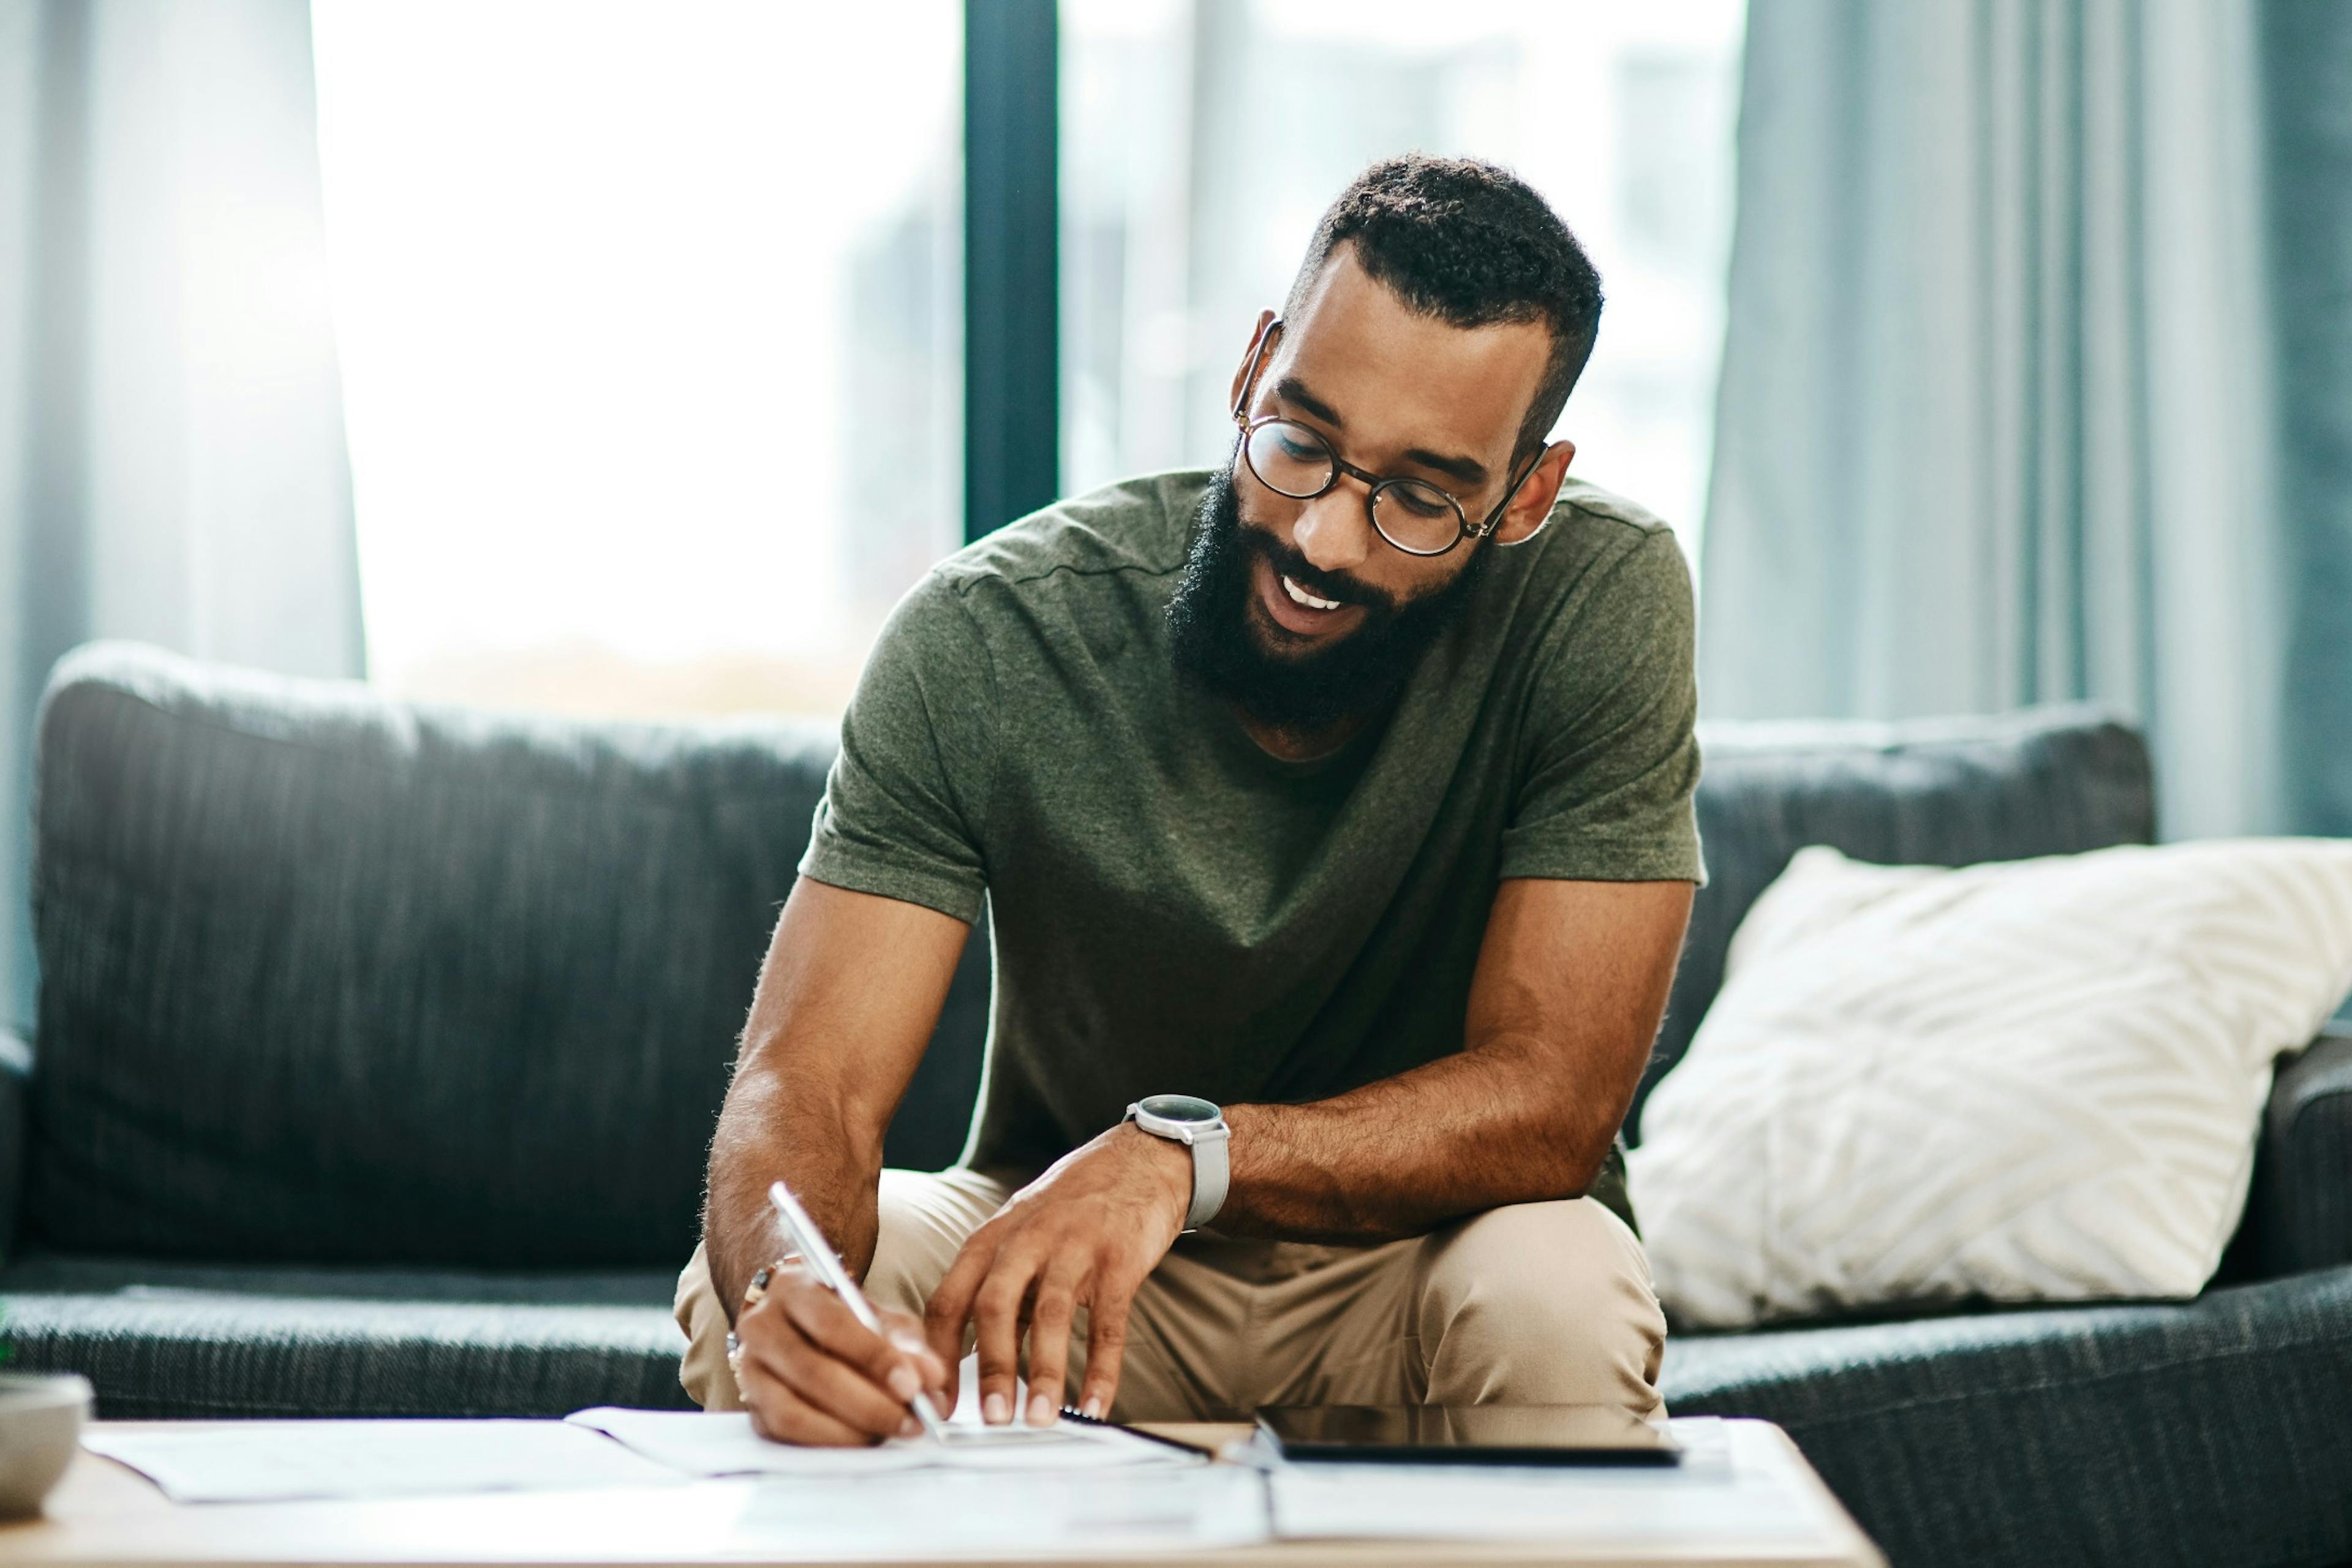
<point>1302,596</point>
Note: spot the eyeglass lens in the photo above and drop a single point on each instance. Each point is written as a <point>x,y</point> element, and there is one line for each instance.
<point>1293,460</point>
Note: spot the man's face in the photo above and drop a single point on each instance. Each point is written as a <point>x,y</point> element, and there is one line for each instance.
<point>1298,611</point>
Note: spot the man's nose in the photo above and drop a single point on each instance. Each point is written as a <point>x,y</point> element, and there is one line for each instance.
<point>1334,530</point>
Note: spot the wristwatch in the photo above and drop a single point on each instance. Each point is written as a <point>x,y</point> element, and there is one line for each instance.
<point>1201,1127</point>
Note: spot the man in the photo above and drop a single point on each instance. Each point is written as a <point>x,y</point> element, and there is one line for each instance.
<point>1333,788</point>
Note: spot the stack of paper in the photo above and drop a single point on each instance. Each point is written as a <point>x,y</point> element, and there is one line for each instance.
<point>715,1444</point>
<point>928,1515</point>
<point>274,1461</point>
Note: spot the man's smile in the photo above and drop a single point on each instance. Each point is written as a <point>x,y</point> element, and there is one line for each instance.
<point>1301,595</point>
<point>1297,609</point>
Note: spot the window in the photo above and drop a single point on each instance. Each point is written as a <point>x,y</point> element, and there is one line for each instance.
<point>651,316</point>
<point>1202,139</point>
<point>651,323</point>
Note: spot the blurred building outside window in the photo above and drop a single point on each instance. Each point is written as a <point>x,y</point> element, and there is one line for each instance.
<point>1201,140</point>
<point>651,325</point>
<point>650,318</point>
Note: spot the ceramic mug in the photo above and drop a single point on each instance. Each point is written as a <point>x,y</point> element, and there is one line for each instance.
<point>40,1426</point>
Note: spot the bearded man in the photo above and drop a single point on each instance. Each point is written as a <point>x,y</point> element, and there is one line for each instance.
<point>1333,810</point>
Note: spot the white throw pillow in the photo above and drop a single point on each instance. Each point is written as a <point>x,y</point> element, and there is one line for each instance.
<point>2026,1081</point>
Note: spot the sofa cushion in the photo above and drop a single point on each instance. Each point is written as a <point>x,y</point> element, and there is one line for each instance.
<point>2302,1212</point>
<point>1941,792</point>
<point>161,1340</point>
<point>2142,1434</point>
<point>328,977</point>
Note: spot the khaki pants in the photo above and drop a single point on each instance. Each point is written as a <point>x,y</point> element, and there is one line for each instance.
<point>1545,1303</point>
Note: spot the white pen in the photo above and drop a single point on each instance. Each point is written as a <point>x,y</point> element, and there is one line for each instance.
<point>801,1234</point>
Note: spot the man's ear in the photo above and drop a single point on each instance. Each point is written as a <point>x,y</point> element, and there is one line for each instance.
<point>1531,503</point>
<point>1249,355</point>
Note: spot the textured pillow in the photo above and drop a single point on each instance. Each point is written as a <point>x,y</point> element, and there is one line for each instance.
<point>2032,1080</point>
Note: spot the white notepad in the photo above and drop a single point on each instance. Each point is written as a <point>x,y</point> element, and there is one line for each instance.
<point>932,1516</point>
<point>716,1443</point>
<point>277,1461</point>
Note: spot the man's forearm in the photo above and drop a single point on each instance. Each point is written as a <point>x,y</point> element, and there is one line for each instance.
<point>1571,985</point>
<point>766,1134</point>
<point>1504,1124</point>
<point>848,994</point>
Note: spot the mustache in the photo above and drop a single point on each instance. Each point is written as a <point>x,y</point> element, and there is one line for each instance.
<point>1337,586</point>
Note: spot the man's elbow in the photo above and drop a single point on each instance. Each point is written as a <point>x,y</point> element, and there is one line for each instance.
<point>1579,1140</point>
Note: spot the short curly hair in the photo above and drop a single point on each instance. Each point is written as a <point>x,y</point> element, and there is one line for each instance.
<point>1471,243</point>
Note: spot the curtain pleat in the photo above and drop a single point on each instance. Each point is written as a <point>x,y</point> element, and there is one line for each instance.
<point>2306,51</point>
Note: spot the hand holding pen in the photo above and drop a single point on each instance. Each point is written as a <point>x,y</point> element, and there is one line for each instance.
<point>818,1363</point>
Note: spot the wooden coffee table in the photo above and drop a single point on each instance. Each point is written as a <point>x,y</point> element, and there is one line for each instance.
<point>103,1513</point>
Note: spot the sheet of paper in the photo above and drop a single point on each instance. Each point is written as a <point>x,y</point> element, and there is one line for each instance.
<point>1723,1493</point>
<point>274,1461</point>
<point>934,1514</point>
<point>717,1443</point>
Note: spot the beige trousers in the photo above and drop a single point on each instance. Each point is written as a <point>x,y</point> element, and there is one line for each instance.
<point>1547,1303</point>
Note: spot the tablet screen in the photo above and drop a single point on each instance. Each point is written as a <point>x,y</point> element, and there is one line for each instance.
<point>1469,1434</point>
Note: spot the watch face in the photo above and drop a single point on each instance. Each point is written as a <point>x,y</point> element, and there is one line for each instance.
<point>1179,1108</point>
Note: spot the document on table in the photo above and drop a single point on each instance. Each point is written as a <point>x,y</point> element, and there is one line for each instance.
<point>718,1443</point>
<point>930,1515</point>
<point>277,1461</point>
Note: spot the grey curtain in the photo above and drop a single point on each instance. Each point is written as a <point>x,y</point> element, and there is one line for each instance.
<point>2307,72</point>
<point>172,456</point>
<point>2002,415</point>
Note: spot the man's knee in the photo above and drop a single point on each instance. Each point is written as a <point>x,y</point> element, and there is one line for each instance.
<point>920,1226</point>
<point>703,1371</point>
<point>1545,1304</point>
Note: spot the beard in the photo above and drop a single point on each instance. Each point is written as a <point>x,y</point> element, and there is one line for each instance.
<point>1215,643</point>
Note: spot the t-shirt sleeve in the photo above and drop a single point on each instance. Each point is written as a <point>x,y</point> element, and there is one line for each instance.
<point>1612,761</point>
<point>904,808</point>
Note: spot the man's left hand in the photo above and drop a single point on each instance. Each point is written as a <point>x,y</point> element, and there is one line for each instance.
<point>1084,1233</point>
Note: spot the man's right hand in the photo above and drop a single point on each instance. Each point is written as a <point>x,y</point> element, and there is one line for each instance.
<point>811,1373</point>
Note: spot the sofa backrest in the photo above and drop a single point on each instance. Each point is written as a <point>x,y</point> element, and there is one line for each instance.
<point>327,976</point>
<point>1941,792</point>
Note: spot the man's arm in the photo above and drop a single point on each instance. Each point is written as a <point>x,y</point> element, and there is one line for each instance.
<point>1570,986</point>
<point>847,999</point>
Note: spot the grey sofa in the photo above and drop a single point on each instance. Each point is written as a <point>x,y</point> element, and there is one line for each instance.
<point>378,1048</point>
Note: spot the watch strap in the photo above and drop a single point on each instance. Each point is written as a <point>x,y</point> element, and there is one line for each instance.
<point>1211,1174</point>
<point>1211,1169</point>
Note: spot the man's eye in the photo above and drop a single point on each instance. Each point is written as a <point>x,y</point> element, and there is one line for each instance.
<point>1418,499</point>
<point>1299,448</point>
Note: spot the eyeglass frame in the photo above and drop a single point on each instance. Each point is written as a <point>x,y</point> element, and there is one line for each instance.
<point>1374,483</point>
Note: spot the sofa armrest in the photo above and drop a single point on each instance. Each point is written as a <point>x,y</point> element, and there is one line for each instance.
<point>16,1069</point>
<point>2302,1187</point>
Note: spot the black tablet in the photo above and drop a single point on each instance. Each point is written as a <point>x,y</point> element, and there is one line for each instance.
<point>1467,1433</point>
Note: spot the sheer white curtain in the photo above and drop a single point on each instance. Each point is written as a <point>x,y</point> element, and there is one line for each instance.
<point>172,456</point>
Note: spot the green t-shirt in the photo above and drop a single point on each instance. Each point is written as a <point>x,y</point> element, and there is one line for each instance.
<point>1173,910</point>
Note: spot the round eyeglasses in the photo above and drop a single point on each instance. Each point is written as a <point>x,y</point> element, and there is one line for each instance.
<point>1291,459</point>
<point>1297,460</point>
